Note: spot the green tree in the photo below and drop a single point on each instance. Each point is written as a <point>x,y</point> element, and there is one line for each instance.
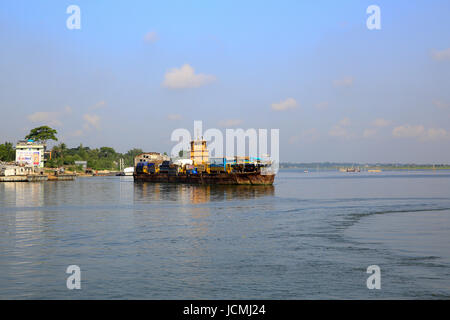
<point>63,148</point>
<point>106,152</point>
<point>7,152</point>
<point>130,155</point>
<point>82,152</point>
<point>60,150</point>
<point>50,163</point>
<point>68,160</point>
<point>59,162</point>
<point>98,159</point>
<point>42,134</point>
<point>134,152</point>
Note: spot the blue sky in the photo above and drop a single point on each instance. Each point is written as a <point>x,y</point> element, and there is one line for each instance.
<point>137,70</point>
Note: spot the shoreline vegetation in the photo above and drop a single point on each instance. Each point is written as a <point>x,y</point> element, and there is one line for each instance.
<point>60,156</point>
<point>104,158</point>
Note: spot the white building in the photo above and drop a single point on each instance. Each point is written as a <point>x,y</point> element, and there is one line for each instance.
<point>15,171</point>
<point>30,153</point>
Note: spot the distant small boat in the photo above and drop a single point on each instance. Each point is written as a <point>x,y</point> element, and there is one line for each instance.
<point>306,171</point>
<point>374,170</point>
<point>127,172</point>
<point>352,169</point>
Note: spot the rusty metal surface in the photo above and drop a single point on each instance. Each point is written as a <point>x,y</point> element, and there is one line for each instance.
<point>224,178</point>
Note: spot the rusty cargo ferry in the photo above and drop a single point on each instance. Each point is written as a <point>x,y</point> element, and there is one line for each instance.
<point>199,168</point>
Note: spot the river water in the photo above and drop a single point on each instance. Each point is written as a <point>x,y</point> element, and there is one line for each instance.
<point>310,236</point>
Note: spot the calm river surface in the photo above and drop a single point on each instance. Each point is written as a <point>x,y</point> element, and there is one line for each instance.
<point>311,235</point>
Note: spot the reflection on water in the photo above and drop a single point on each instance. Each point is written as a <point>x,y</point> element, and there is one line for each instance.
<point>23,194</point>
<point>29,225</point>
<point>197,203</point>
<point>195,194</point>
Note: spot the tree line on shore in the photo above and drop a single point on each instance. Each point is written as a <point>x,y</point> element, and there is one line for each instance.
<point>104,158</point>
<point>7,152</point>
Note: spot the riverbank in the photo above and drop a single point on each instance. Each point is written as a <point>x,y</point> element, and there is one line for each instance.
<point>38,178</point>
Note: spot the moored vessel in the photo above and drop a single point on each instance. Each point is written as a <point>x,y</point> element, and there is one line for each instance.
<point>201,169</point>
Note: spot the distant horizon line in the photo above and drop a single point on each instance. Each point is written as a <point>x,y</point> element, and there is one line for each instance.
<point>333,163</point>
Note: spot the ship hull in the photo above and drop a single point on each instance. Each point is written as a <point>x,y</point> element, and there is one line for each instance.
<point>253,178</point>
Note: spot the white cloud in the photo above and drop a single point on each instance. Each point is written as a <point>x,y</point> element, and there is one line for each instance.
<point>377,123</point>
<point>436,134</point>
<point>441,104</point>
<point>341,129</point>
<point>289,103</point>
<point>49,118</point>
<point>369,133</point>
<point>91,121</point>
<point>321,105</point>
<point>230,123</point>
<point>151,37</point>
<point>338,131</point>
<point>185,77</point>
<point>441,55</point>
<point>98,105</point>
<point>174,117</point>
<point>408,131</point>
<point>345,122</point>
<point>344,82</point>
<point>380,122</point>
<point>419,132</point>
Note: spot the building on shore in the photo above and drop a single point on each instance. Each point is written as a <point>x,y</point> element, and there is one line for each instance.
<point>13,170</point>
<point>83,164</point>
<point>30,153</point>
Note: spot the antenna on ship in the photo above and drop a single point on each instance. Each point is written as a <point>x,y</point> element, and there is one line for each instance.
<point>198,134</point>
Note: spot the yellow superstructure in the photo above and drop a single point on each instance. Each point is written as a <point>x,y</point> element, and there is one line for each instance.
<point>199,152</point>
